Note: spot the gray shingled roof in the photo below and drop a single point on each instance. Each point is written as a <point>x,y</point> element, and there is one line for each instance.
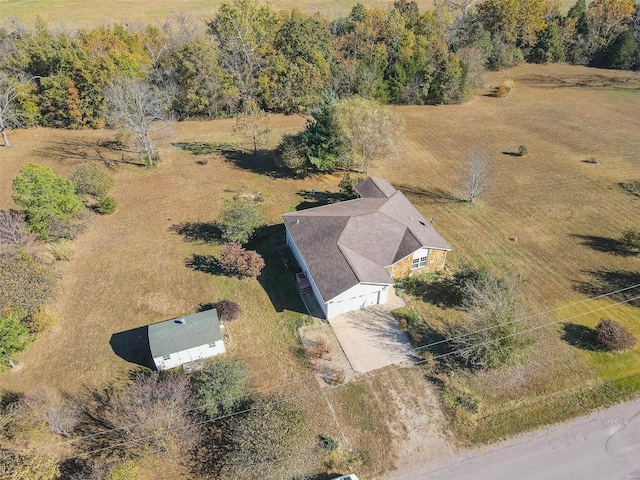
<point>172,336</point>
<point>350,242</point>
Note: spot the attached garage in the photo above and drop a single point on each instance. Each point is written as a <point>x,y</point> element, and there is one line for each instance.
<point>356,298</point>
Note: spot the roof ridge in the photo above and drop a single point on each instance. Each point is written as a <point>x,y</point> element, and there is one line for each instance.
<point>346,257</point>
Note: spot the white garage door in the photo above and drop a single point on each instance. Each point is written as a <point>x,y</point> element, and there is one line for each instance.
<point>355,303</point>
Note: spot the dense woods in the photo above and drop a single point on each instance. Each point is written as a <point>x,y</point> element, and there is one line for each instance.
<point>286,61</point>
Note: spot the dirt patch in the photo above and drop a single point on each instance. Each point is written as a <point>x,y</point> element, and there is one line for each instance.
<point>326,356</point>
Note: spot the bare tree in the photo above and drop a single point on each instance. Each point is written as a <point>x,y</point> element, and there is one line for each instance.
<point>138,108</point>
<point>13,230</point>
<point>253,125</point>
<point>477,175</point>
<point>10,114</point>
<point>370,131</point>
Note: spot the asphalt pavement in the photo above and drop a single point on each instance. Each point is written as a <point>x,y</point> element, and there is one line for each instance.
<point>602,446</point>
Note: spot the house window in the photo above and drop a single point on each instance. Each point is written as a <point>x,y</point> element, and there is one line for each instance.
<point>419,262</point>
<point>166,357</point>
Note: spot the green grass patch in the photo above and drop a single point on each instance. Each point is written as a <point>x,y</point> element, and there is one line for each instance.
<point>355,399</point>
<point>206,148</point>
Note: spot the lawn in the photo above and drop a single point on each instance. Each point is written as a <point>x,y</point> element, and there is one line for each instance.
<point>134,268</point>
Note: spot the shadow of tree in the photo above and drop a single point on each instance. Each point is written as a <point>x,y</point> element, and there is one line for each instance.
<point>433,195</point>
<point>606,281</point>
<point>203,232</point>
<point>205,148</point>
<point>580,336</point>
<point>88,151</point>
<point>605,245</point>
<point>205,263</point>
<point>313,198</point>
<point>263,163</point>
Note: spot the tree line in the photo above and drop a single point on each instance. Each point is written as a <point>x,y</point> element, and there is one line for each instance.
<point>285,61</point>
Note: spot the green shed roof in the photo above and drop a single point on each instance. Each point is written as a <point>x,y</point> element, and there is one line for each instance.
<point>183,333</point>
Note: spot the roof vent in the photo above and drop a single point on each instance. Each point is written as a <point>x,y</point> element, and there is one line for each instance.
<point>181,321</point>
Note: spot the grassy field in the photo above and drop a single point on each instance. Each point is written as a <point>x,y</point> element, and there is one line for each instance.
<point>133,268</point>
<point>96,12</point>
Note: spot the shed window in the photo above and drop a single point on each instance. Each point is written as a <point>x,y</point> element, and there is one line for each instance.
<point>166,357</point>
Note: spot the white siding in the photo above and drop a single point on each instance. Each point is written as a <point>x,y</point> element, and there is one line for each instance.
<point>303,266</point>
<point>357,297</point>
<point>190,355</point>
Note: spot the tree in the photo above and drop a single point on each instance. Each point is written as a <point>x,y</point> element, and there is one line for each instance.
<point>11,115</point>
<point>138,109</point>
<point>477,175</point>
<point>607,19</point>
<point>235,260</point>
<point>490,337</point>
<point>269,441</point>
<point>14,337</point>
<point>222,386</point>
<point>322,137</point>
<point>253,125</point>
<point>369,130</point>
<point>227,310</point>
<point>13,230</point>
<point>244,32</point>
<point>240,219</point>
<point>291,153</point>
<point>151,411</point>
<point>45,197</point>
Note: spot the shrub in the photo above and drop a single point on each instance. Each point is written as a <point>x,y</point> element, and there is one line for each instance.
<point>319,348</point>
<point>222,386</point>
<point>522,151</point>
<point>291,154</point>
<point>106,205</point>
<point>69,228</point>
<point>235,260</point>
<point>43,321</point>
<point>632,186</point>
<point>631,238</point>
<point>13,230</point>
<point>347,186</point>
<point>228,310</point>
<point>61,250</point>
<point>14,337</point>
<point>240,219</point>
<point>25,284</point>
<point>91,179</point>
<point>614,336</point>
<point>504,89</point>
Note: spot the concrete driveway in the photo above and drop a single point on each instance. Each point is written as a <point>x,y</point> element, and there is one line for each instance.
<point>371,338</point>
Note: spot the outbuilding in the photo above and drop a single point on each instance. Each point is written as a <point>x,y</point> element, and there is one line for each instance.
<point>185,339</point>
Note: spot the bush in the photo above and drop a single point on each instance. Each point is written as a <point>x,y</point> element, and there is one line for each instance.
<point>228,310</point>
<point>91,179</point>
<point>631,238</point>
<point>222,386</point>
<point>14,337</point>
<point>522,151</point>
<point>347,186</point>
<point>235,260</point>
<point>13,230</point>
<point>504,89</point>
<point>318,349</point>
<point>43,321</point>
<point>632,186</point>
<point>614,336</point>
<point>69,228</point>
<point>291,154</point>
<point>61,250</point>
<point>240,219</point>
<point>106,205</point>
<point>25,284</point>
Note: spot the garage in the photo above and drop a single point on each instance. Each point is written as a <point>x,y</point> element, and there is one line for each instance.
<point>361,296</point>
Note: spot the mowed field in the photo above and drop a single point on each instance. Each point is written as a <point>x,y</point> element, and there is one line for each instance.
<point>97,12</point>
<point>132,268</point>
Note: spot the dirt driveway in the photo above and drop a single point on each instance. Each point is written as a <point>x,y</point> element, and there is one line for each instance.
<point>371,338</point>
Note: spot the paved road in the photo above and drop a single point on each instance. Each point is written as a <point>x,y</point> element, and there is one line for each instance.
<point>602,446</point>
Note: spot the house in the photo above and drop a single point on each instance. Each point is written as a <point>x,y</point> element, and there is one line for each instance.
<point>185,339</point>
<point>351,252</point>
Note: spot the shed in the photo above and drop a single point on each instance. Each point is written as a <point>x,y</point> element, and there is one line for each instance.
<point>185,339</point>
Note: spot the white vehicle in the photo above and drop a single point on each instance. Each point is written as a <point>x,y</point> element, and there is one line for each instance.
<point>351,476</point>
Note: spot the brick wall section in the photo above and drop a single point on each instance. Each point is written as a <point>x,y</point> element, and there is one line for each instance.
<point>435,261</point>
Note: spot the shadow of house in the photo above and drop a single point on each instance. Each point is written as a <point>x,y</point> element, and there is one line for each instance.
<point>605,245</point>
<point>580,336</point>
<point>276,278</point>
<point>133,346</point>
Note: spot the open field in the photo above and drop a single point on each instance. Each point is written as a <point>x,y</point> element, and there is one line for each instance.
<point>96,12</point>
<point>131,268</point>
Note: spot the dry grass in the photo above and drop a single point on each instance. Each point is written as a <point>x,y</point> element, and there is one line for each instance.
<point>93,12</point>
<point>129,268</point>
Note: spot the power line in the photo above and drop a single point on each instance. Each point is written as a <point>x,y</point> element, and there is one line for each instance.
<point>329,387</point>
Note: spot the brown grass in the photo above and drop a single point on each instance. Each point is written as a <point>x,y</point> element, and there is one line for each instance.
<point>94,12</point>
<point>129,268</point>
